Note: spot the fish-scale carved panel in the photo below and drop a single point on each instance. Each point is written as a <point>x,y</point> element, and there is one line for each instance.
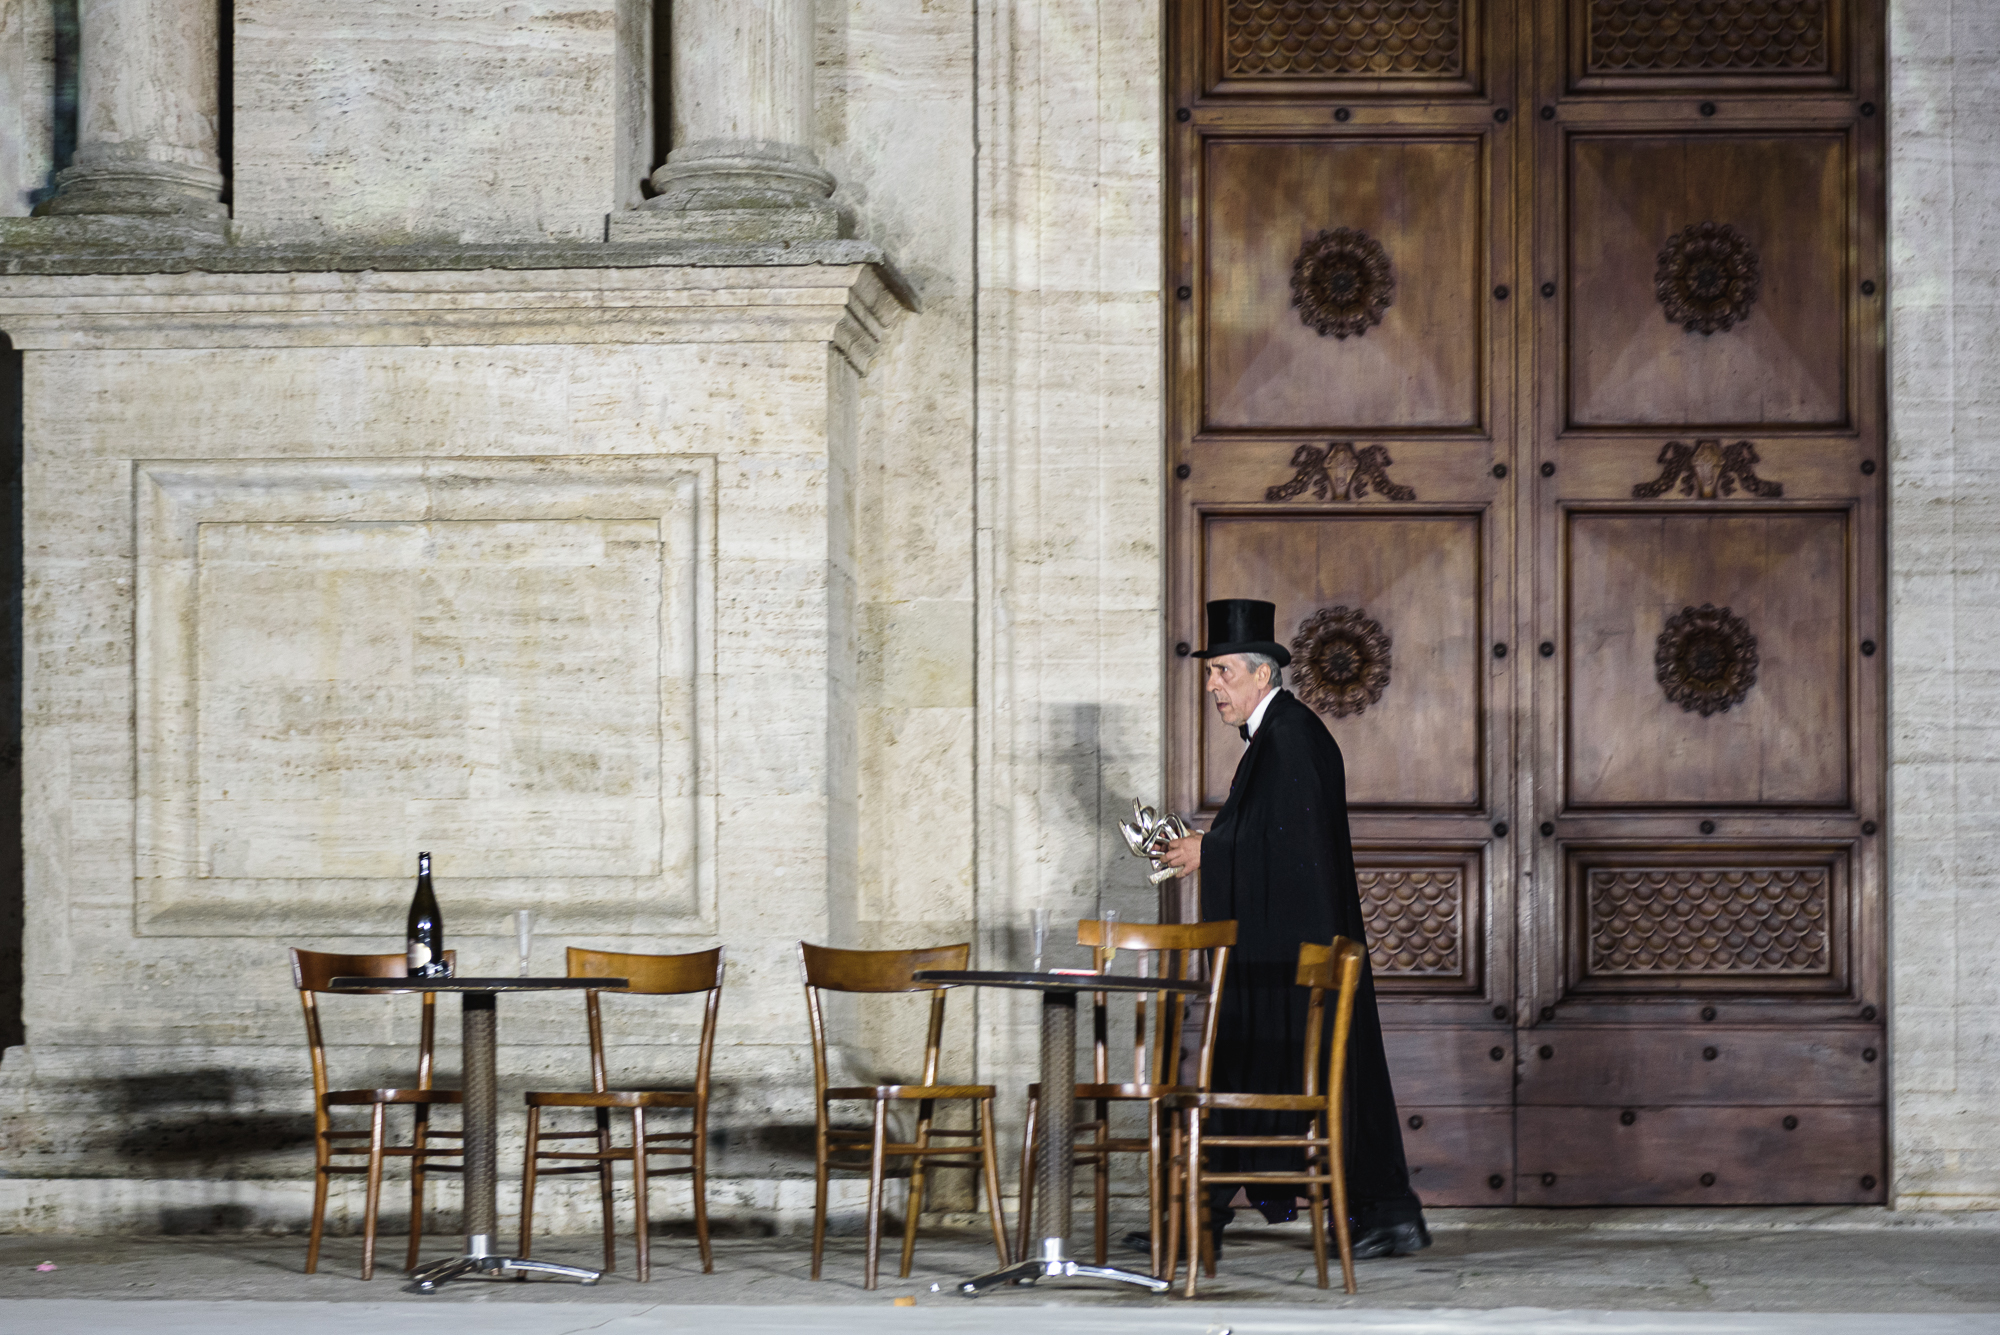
<point>1414,924</point>
<point>1640,36</point>
<point>1763,921</point>
<point>1322,38</point>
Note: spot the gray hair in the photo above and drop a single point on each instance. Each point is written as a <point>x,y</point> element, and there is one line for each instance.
<point>1252,662</point>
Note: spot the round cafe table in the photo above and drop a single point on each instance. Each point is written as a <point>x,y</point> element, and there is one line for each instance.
<point>1055,1168</point>
<point>478,1002</point>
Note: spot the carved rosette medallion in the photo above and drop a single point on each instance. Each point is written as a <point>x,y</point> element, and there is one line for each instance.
<point>1708,277</point>
<point>1341,282</point>
<point>1706,659</point>
<point>1340,661</point>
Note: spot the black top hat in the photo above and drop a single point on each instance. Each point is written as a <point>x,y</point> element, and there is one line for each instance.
<point>1244,626</point>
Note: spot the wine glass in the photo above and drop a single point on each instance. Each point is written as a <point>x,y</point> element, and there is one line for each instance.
<point>524,932</point>
<point>1039,918</point>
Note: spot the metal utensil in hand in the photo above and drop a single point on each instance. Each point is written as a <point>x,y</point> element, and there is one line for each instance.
<point>1147,834</point>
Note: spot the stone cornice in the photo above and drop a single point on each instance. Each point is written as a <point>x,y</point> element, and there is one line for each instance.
<point>464,296</point>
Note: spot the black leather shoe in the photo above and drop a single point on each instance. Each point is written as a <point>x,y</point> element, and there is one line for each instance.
<point>1392,1240</point>
<point>1135,1241</point>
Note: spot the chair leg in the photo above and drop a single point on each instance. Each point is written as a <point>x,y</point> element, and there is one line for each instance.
<point>1173,1231</point>
<point>699,1178</point>
<point>914,1202</point>
<point>1027,1183</point>
<point>989,1159</point>
<point>607,1190</point>
<point>639,1194</point>
<point>819,1194</point>
<point>875,1165</point>
<point>1154,1164</point>
<point>528,1183</point>
<point>318,1218</point>
<point>1336,1168</point>
<point>1192,1207</point>
<point>1317,1195</point>
<point>419,1138</point>
<point>374,1200</point>
<point>1101,1185</point>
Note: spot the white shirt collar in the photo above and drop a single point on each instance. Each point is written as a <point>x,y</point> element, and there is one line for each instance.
<point>1257,714</point>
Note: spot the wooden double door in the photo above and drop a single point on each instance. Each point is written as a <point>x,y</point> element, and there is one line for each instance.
<point>1528,354</point>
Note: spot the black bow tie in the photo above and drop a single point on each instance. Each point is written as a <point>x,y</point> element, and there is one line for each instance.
<point>1244,729</point>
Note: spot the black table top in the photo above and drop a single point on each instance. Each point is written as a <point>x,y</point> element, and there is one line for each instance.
<point>349,984</point>
<point>1058,982</point>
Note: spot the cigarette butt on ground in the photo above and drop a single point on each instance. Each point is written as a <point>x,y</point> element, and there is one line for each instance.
<point>907,1300</point>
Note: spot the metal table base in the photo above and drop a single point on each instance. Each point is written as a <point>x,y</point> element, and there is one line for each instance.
<point>480,1102</point>
<point>482,1116</point>
<point>1052,1264</point>
<point>1055,1169</point>
<point>479,1262</point>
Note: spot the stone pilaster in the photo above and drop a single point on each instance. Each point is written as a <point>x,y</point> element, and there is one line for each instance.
<point>146,160</point>
<point>742,84</point>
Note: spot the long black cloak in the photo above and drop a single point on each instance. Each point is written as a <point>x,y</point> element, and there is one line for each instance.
<point>1279,860</point>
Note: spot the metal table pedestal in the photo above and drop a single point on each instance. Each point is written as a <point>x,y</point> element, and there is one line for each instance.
<point>1055,1169</point>
<point>478,997</point>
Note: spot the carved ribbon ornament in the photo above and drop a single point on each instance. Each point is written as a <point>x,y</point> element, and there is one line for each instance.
<point>1340,473</point>
<point>1708,468</point>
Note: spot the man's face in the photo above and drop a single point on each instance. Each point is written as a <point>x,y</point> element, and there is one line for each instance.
<point>1235,688</point>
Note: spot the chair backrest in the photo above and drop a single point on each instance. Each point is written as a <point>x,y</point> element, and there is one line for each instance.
<point>1166,950</point>
<point>699,971</point>
<point>831,969</point>
<point>1333,972</point>
<point>313,972</point>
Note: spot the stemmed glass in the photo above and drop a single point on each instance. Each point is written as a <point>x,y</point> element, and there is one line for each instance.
<point>1039,918</point>
<point>524,932</point>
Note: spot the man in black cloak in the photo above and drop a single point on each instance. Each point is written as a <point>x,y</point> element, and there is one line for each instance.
<point>1278,859</point>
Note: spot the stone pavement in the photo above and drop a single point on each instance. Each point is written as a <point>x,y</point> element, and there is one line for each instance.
<point>1710,1272</point>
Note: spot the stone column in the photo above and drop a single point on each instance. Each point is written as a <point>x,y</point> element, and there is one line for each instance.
<point>146,142</point>
<point>743,119</point>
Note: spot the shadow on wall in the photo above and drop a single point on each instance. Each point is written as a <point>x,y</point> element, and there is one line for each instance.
<point>11,901</point>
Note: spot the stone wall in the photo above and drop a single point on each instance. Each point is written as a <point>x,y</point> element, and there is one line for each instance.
<point>550,571</point>
<point>1944,343</point>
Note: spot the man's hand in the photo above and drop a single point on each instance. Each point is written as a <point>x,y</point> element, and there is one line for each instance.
<point>1183,855</point>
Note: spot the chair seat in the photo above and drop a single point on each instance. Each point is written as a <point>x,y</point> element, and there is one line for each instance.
<point>878,1092</point>
<point>1131,1091</point>
<point>1216,1100</point>
<point>613,1098</point>
<point>349,1097</point>
<point>1127,1090</point>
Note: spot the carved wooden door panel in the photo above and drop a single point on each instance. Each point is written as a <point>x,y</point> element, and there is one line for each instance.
<point>1528,356</point>
<point>1343,420</point>
<point>1703,970</point>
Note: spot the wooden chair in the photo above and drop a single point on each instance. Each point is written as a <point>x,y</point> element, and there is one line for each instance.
<point>1331,969</point>
<point>312,973</point>
<point>829,970</point>
<point>646,975</point>
<point>1172,950</point>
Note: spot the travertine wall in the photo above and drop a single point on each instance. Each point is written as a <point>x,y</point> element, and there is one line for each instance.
<point>1068,487</point>
<point>439,121</point>
<point>550,572</point>
<point>1944,341</point>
